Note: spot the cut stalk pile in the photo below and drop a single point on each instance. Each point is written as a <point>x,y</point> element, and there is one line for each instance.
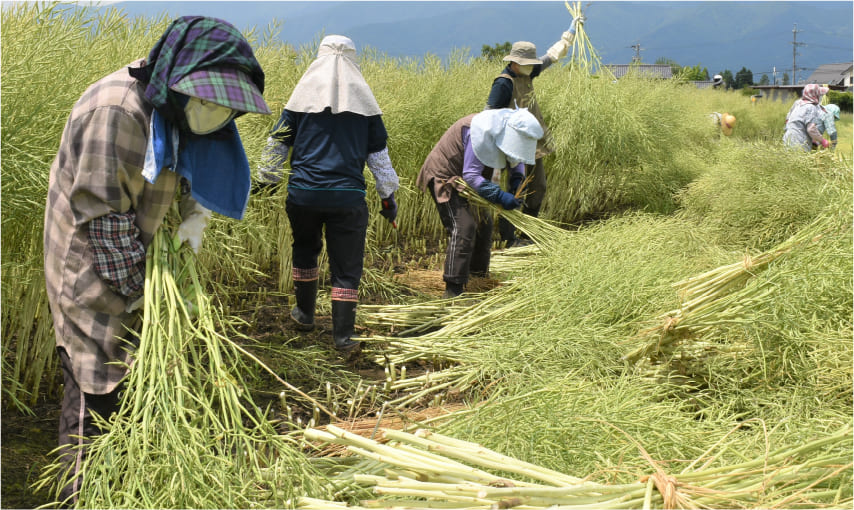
<point>187,435</point>
<point>431,470</point>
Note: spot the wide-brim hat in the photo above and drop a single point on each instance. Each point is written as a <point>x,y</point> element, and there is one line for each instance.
<point>833,109</point>
<point>727,123</point>
<point>496,133</point>
<point>225,86</point>
<point>523,53</point>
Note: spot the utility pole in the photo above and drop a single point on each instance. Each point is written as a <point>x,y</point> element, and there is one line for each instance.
<point>775,75</point>
<point>637,47</point>
<point>795,45</point>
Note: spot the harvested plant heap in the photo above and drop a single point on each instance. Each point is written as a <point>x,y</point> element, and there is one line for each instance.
<point>188,434</point>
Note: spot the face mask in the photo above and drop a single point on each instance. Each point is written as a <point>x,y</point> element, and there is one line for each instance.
<point>526,69</point>
<point>205,117</point>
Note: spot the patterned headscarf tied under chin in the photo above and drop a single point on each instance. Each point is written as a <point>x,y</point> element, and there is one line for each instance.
<point>813,92</point>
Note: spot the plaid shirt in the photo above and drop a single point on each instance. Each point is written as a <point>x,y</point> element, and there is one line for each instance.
<point>95,179</point>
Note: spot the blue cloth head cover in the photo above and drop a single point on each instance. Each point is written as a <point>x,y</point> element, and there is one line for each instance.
<point>832,109</point>
<point>505,133</point>
<point>216,165</point>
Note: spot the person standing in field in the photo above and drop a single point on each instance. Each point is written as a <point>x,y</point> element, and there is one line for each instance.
<point>467,153</point>
<point>159,130</point>
<point>514,88</point>
<point>332,126</point>
<point>828,119</point>
<point>803,122</point>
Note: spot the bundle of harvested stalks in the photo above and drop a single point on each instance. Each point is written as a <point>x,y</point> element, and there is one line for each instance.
<point>543,233</point>
<point>722,295</point>
<point>188,434</point>
<point>430,470</point>
<point>582,54</point>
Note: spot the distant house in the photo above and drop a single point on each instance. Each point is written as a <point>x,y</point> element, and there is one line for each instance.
<point>833,75</point>
<point>704,84</point>
<point>658,71</point>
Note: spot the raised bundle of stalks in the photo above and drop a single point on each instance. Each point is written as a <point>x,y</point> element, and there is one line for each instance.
<point>187,434</point>
<point>722,295</point>
<point>583,55</point>
<point>430,470</point>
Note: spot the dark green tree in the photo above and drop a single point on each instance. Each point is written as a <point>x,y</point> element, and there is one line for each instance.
<point>743,78</point>
<point>729,82</point>
<point>675,68</point>
<point>764,80</point>
<point>785,78</point>
<point>496,52</point>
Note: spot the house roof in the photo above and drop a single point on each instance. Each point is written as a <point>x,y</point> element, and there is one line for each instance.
<point>830,74</point>
<point>647,70</point>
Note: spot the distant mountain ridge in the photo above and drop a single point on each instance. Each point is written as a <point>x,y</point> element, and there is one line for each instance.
<point>716,35</point>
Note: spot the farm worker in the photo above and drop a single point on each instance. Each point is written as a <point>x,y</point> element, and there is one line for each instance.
<point>332,126</point>
<point>725,121</point>
<point>803,122</point>
<point>828,118</point>
<point>514,88</point>
<point>470,149</point>
<point>158,130</point>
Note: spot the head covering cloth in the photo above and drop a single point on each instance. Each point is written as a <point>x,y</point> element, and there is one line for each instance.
<point>207,58</point>
<point>199,48</point>
<point>812,93</point>
<point>497,134</point>
<point>334,81</point>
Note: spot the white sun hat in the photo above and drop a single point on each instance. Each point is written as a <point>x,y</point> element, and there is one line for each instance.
<point>497,135</point>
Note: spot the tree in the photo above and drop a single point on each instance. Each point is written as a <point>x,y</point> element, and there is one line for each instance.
<point>743,78</point>
<point>764,80</point>
<point>694,73</point>
<point>785,78</point>
<point>728,80</point>
<point>675,68</point>
<point>495,52</point>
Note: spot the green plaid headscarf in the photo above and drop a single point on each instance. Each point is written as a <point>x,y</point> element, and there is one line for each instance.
<point>206,58</point>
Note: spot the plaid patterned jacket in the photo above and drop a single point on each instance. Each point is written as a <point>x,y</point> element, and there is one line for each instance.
<point>97,171</point>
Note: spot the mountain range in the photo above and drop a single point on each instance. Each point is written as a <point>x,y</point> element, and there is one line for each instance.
<point>722,35</point>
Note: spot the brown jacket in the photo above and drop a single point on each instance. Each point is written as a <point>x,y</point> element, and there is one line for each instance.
<point>97,171</point>
<point>444,164</point>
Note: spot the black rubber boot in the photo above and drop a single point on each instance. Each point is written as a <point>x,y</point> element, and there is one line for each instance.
<point>343,322</point>
<point>452,290</point>
<point>303,312</point>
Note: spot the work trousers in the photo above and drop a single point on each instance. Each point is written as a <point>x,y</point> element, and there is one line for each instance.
<point>469,238</point>
<point>346,228</point>
<point>76,427</point>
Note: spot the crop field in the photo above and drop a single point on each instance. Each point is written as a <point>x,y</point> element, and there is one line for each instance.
<point>678,336</point>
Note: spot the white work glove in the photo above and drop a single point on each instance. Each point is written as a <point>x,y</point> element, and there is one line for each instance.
<point>190,230</point>
<point>135,305</point>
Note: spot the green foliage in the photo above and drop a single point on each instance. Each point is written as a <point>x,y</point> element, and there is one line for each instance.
<point>743,78</point>
<point>496,51</point>
<point>728,79</point>
<point>841,99</point>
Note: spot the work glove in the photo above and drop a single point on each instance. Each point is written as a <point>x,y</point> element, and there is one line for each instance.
<point>515,181</point>
<point>508,201</point>
<point>824,143</point>
<point>389,210</point>
<point>575,22</point>
<point>136,304</point>
<point>190,230</point>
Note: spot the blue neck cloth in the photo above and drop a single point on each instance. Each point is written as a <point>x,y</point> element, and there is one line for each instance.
<point>216,166</point>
